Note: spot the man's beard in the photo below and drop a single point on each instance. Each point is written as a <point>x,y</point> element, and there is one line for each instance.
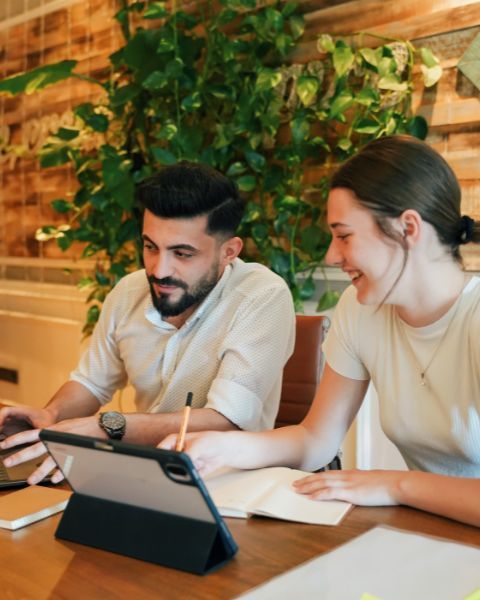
<point>195,296</point>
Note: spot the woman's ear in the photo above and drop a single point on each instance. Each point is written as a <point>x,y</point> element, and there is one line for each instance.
<point>411,226</point>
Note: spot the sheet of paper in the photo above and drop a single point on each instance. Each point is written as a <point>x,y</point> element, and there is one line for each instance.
<point>385,564</point>
<point>235,489</point>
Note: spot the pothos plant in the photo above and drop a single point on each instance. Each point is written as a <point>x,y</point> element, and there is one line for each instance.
<point>216,86</point>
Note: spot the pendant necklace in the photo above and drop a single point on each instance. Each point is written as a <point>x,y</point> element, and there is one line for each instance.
<point>423,370</point>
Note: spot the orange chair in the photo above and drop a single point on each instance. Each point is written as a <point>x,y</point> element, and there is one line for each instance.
<point>302,373</point>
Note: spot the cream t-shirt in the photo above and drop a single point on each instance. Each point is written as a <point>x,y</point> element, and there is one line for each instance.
<point>436,427</point>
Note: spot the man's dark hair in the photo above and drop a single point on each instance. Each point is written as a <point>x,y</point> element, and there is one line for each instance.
<point>188,190</point>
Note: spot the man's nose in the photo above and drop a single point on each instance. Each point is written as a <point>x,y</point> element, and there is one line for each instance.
<point>162,266</point>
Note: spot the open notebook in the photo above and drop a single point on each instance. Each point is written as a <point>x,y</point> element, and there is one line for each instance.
<point>269,493</point>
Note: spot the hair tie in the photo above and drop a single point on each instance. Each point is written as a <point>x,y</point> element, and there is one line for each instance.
<point>467,227</point>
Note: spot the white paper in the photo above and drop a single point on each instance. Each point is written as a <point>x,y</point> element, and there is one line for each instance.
<point>268,492</point>
<point>386,563</point>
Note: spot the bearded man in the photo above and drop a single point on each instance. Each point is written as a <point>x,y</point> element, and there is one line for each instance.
<point>195,319</point>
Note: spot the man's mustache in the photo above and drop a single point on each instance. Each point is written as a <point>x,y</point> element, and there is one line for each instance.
<point>167,281</point>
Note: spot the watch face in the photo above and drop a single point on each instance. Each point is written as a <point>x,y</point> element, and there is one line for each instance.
<point>113,420</point>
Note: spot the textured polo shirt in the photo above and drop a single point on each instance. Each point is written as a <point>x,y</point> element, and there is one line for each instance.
<point>230,353</point>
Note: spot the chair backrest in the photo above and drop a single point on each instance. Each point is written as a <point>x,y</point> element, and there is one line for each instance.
<point>303,370</point>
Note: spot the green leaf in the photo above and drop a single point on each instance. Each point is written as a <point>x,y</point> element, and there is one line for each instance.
<point>156,10</point>
<point>325,44</point>
<point>369,56</point>
<point>37,79</point>
<point>54,157</point>
<point>367,96</point>
<point>418,127</point>
<point>328,300</point>
<point>247,183</point>
<point>155,81</point>
<point>307,88</point>
<point>307,289</point>
<point>344,144</point>
<point>343,59</point>
<point>297,26</point>
<point>428,58</point>
<point>192,103</point>
<point>86,112</point>
<point>366,126</point>
<point>164,157</point>
<point>392,82</point>
<point>255,160</point>
<point>431,75</point>
<point>67,133</point>
<point>267,79</point>
<point>300,129</point>
<point>259,232</point>
<point>236,168</point>
<point>125,94</point>
<point>341,103</point>
<point>61,206</point>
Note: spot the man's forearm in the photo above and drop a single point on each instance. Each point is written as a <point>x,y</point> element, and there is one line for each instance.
<point>151,428</point>
<point>72,400</point>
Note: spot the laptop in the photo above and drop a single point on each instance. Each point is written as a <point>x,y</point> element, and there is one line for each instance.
<point>12,477</point>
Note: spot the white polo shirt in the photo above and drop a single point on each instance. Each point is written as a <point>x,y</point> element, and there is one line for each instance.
<point>230,353</point>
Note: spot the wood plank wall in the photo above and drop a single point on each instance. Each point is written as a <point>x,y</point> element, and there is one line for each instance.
<point>87,32</point>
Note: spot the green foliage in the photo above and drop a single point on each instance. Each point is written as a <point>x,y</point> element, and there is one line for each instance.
<point>216,86</point>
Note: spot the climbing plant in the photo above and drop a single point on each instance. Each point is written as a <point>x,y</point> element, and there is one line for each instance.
<point>216,86</point>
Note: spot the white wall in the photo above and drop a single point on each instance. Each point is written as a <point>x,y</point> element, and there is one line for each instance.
<point>41,337</point>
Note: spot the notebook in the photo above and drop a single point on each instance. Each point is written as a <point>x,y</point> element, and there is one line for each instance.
<point>269,493</point>
<point>11,477</point>
<point>31,504</point>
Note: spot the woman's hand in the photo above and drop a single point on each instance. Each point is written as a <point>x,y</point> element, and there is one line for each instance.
<point>365,488</point>
<point>209,450</point>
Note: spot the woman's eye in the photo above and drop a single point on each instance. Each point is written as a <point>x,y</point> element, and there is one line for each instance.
<point>343,237</point>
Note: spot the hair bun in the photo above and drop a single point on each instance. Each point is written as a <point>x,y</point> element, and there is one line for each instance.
<point>467,228</point>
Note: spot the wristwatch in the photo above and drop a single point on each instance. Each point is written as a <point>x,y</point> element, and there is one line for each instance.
<point>114,423</point>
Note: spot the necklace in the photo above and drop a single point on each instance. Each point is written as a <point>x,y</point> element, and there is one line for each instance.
<point>423,370</point>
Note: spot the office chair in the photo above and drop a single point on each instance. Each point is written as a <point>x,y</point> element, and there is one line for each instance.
<point>302,373</point>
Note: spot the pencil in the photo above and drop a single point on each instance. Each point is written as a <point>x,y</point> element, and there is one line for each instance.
<point>183,428</point>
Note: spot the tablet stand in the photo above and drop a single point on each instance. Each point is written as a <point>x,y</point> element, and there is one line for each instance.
<point>162,538</point>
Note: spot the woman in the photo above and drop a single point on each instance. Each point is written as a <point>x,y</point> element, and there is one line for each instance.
<point>410,323</point>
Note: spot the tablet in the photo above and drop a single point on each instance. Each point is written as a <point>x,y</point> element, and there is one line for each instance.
<point>163,481</point>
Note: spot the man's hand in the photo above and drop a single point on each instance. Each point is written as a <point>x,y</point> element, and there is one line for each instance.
<point>83,426</point>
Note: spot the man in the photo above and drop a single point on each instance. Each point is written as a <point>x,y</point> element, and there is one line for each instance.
<point>196,319</point>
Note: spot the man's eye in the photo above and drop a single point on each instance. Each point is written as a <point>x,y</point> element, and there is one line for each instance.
<point>148,246</point>
<point>180,254</point>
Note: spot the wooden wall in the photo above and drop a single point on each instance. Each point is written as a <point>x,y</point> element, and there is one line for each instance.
<point>87,32</point>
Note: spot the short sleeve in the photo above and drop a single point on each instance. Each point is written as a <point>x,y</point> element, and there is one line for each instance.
<point>341,347</point>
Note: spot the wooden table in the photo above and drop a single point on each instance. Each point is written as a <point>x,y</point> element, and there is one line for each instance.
<point>34,565</point>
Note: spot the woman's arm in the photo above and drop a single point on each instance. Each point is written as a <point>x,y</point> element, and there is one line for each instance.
<point>452,497</point>
<point>310,445</point>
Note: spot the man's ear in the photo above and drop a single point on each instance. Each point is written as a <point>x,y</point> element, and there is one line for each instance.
<point>229,250</point>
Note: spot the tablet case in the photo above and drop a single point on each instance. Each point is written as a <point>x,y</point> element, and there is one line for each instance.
<point>197,543</point>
